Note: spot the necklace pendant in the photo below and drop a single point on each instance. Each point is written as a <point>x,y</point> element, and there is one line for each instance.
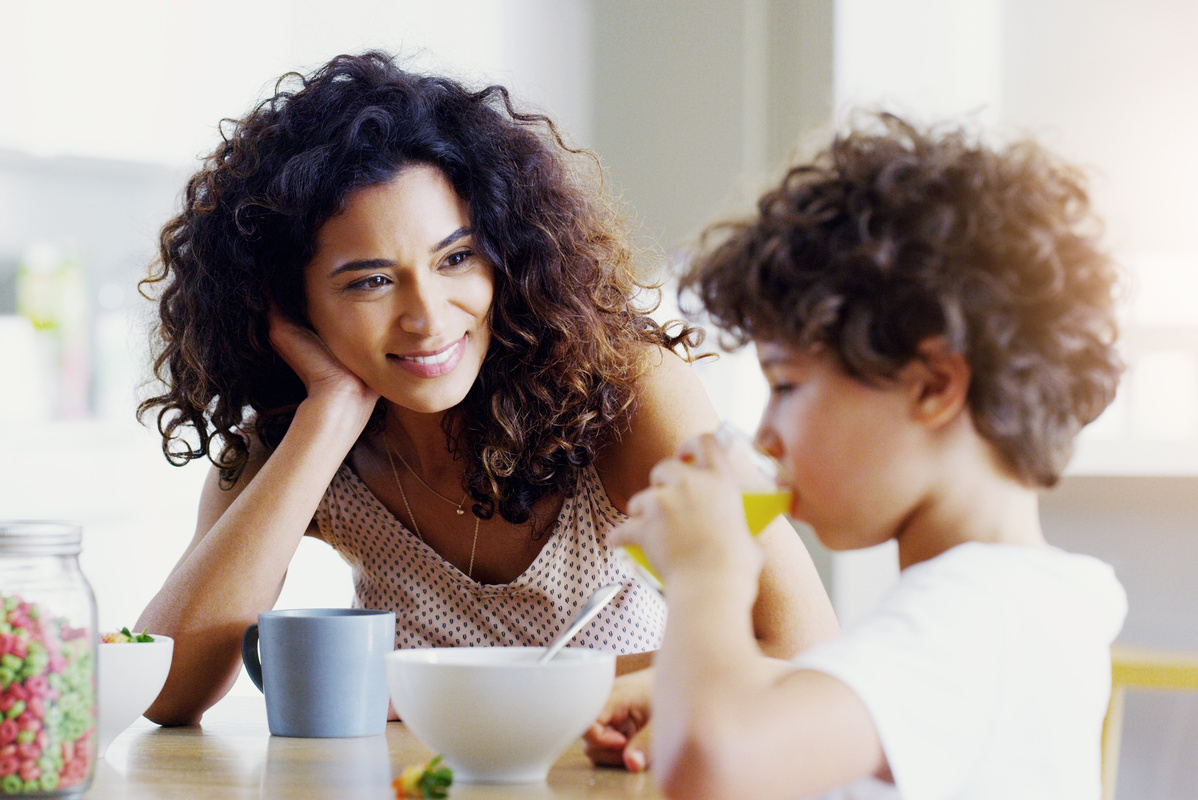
<point>459,512</point>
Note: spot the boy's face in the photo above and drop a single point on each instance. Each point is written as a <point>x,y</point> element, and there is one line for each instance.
<point>852,452</point>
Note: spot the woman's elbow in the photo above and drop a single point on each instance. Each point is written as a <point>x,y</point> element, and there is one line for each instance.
<point>189,691</point>
<point>173,714</point>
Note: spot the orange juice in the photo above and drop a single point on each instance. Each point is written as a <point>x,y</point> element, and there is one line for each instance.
<point>761,507</point>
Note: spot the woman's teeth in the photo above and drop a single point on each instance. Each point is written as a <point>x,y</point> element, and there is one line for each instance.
<point>439,358</point>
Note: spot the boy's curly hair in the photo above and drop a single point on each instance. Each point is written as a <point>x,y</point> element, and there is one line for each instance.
<point>892,236</point>
<point>558,378</point>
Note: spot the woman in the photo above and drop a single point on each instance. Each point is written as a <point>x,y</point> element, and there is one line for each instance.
<point>398,317</point>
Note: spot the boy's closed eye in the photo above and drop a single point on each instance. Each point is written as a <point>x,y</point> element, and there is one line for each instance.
<point>782,378</point>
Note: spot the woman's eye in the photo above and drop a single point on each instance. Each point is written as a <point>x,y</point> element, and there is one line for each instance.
<point>371,282</point>
<point>779,389</point>
<point>458,258</point>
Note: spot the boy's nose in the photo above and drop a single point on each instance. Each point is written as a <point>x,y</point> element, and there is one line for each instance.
<point>768,441</point>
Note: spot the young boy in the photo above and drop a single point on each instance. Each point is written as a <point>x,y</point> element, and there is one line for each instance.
<point>935,322</point>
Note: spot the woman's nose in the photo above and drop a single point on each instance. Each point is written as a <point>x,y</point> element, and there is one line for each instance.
<point>422,308</point>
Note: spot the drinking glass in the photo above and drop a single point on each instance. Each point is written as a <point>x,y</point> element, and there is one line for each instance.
<point>762,498</point>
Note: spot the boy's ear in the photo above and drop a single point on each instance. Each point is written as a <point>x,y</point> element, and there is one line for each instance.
<point>941,382</point>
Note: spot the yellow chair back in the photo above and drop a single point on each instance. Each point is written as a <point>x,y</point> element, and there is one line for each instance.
<point>1139,668</point>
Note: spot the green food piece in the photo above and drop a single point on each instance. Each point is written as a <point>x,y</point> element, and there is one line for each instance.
<point>435,783</point>
<point>137,637</point>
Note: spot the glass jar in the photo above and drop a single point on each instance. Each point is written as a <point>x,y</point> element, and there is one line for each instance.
<point>48,644</point>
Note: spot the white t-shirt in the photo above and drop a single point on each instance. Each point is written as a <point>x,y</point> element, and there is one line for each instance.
<point>987,674</point>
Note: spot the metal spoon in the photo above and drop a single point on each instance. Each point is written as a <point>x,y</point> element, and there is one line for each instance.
<point>598,600</point>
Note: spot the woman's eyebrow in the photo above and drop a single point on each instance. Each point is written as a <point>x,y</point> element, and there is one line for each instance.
<point>460,233</point>
<point>363,264</point>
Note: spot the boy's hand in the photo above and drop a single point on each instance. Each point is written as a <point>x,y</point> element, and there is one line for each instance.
<point>692,517</point>
<point>620,736</point>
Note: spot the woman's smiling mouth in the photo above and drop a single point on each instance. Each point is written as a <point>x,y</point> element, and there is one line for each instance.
<point>432,365</point>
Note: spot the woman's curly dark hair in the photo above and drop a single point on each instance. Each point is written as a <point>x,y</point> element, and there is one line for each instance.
<point>557,381</point>
<point>894,234</point>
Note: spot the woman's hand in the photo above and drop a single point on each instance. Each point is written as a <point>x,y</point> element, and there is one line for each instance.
<point>620,735</point>
<point>320,371</point>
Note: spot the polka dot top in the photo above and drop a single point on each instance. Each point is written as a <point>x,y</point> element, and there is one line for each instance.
<point>436,605</point>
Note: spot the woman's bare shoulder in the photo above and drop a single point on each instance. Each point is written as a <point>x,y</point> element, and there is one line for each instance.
<point>670,406</point>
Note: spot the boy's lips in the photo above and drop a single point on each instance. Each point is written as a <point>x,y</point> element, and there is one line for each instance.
<point>432,364</point>
<point>785,485</point>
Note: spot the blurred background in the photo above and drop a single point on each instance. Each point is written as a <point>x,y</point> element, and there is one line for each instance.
<point>692,107</point>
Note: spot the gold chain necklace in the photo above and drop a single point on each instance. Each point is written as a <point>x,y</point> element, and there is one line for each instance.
<point>459,511</point>
<point>411,516</point>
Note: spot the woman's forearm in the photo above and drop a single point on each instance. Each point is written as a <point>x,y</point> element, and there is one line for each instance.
<point>633,662</point>
<point>235,568</point>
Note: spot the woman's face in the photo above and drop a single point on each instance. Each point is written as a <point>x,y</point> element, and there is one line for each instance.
<point>398,292</point>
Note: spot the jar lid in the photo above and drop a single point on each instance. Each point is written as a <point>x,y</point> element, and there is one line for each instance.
<point>39,537</point>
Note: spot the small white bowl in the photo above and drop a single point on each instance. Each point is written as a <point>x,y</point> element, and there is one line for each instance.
<point>493,713</point>
<point>129,676</point>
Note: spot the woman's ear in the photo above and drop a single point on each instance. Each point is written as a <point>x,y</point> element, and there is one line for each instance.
<point>940,382</point>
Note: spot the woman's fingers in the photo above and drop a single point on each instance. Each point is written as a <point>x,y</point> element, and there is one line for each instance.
<point>636,752</point>
<point>604,745</point>
<point>298,346</point>
<point>620,727</point>
<point>310,359</point>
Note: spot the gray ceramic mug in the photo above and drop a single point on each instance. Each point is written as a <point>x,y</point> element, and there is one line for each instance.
<point>321,669</point>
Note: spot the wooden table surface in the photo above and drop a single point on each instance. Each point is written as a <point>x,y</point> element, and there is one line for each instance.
<point>232,755</point>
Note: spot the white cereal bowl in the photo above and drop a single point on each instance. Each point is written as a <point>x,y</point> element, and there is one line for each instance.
<point>493,713</point>
<point>129,676</point>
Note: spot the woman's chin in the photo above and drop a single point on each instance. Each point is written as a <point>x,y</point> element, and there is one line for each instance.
<point>434,400</point>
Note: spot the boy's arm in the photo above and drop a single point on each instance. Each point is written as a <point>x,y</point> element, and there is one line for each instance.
<point>728,721</point>
<point>791,611</point>
<point>732,723</point>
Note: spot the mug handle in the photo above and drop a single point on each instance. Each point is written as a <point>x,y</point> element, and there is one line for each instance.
<point>249,655</point>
